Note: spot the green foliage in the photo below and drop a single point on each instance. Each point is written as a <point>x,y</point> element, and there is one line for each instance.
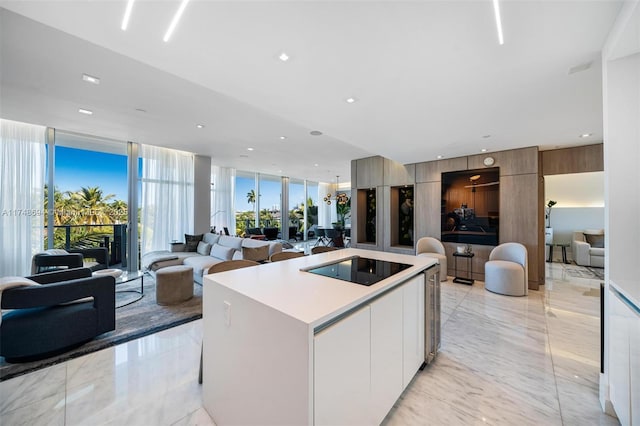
<point>80,210</point>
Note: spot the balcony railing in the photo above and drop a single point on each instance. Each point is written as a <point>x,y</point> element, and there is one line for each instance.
<point>113,237</point>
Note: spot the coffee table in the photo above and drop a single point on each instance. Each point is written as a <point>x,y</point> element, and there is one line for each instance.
<point>128,276</point>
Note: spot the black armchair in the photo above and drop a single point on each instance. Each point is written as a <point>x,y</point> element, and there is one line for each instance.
<point>52,318</point>
<point>73,258</point>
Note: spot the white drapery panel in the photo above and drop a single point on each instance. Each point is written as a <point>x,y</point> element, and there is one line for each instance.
<point>22,178</point>
<point>167,196</point>
<point>223,210</point>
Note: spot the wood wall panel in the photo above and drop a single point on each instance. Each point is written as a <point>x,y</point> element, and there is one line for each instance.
<point>396,174</point>
<point>431,171</point>
<point>369,172</point>
<point>427,198</point>
<point>519,218</point>
<point>512,162</point>
<point>579,159</point>
<point>481,256</point>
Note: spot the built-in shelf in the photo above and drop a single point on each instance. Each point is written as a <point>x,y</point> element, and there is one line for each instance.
<point>366,232</point>
<point>401,216</point>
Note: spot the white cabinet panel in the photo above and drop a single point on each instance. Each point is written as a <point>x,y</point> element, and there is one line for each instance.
<point>619,360</point>
<point>386,353</point>
<point>342,371</point>
<point>413,328</point>
<point>634,358</point>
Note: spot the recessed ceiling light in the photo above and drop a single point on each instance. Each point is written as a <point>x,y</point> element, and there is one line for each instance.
<point>315,133</point>
<point>483,150</point>
<point>279,171</point>
<point>175,20</point>
<point>316,165</point>
<point>90,79</point>
<point>283,137</point>
<point>127,15</point>
<point>439,157</point>
<point>85,111</point>
<point>496,11</point>
<point>586,135</point>
<point>486,136</point>
<point>141,110</point>
<point>283,57</point>
<point>249,149</point>
<point>350,100</point>
<point>200,126</point>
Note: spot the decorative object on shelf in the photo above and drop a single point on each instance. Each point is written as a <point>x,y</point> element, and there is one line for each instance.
<point>547,215</point>
<point>405,217</point>
<point>370,216</point>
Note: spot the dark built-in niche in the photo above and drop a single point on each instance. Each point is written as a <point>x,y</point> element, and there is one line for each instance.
<point>402,216</point>
<point>367,216</point>
<point>470,208</point>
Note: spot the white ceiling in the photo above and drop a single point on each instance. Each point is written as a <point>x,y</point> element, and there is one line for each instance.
<point>429,77</point>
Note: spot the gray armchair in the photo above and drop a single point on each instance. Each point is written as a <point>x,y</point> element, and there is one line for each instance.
<point>54,317</point>
<point>95,258</point>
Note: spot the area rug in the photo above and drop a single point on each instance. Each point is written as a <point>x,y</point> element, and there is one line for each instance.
<point>136,320</point>
<point>585,272</point>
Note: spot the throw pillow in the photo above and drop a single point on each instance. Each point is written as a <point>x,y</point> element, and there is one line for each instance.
<point>258,254</point>
<point>222,252</point>
<point>203,248</point>
<point>595,241</point>
<point>191,241</point>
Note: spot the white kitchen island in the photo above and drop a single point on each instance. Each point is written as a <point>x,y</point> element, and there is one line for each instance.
<point>283,346</point>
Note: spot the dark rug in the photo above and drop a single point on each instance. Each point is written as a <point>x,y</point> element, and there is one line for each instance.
<point>585,272</point>
<point>136,320</point>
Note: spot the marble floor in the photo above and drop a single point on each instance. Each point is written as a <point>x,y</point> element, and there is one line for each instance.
<point>503,361</point>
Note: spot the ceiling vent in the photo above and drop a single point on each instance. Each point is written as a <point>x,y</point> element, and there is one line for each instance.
<point>580,68</point>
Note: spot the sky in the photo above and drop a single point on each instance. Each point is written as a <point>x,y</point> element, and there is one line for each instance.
<point>77,168</point>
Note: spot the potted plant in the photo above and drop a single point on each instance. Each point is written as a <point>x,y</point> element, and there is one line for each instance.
<point>548,231</point>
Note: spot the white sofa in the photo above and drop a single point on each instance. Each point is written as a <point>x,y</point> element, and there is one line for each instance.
<point>586,253</point>
<point>214,249</point>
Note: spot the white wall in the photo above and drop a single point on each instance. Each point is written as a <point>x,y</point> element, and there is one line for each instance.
<point>580,198</point>
<point>575,190</point>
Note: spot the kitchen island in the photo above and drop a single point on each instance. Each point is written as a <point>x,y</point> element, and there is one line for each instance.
<point>286,346</point>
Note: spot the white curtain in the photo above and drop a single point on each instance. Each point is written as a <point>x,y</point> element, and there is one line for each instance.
<point>167,196</point>
<point>22,178</point>
<point>326,213</point>
<point>223,210</point>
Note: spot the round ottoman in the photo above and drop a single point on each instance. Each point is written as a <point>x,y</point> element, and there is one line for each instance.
<point>174,284</point>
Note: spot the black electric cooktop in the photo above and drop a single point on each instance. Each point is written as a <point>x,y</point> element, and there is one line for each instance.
<point>360,270</point>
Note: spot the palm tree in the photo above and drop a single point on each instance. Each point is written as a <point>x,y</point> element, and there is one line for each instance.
<point>118,211</point>
<point>94,204</point>
<point>251,196</point>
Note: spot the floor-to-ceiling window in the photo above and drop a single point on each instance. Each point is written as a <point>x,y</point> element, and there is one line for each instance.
<point>246,198</point>
<point>297,205</point>
<point>269,201</point>
<point>312,206</point>
<point>89,194</point>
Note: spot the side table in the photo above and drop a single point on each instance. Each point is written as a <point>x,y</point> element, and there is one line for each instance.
<point>464,280</point>
<point>563,246</point>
